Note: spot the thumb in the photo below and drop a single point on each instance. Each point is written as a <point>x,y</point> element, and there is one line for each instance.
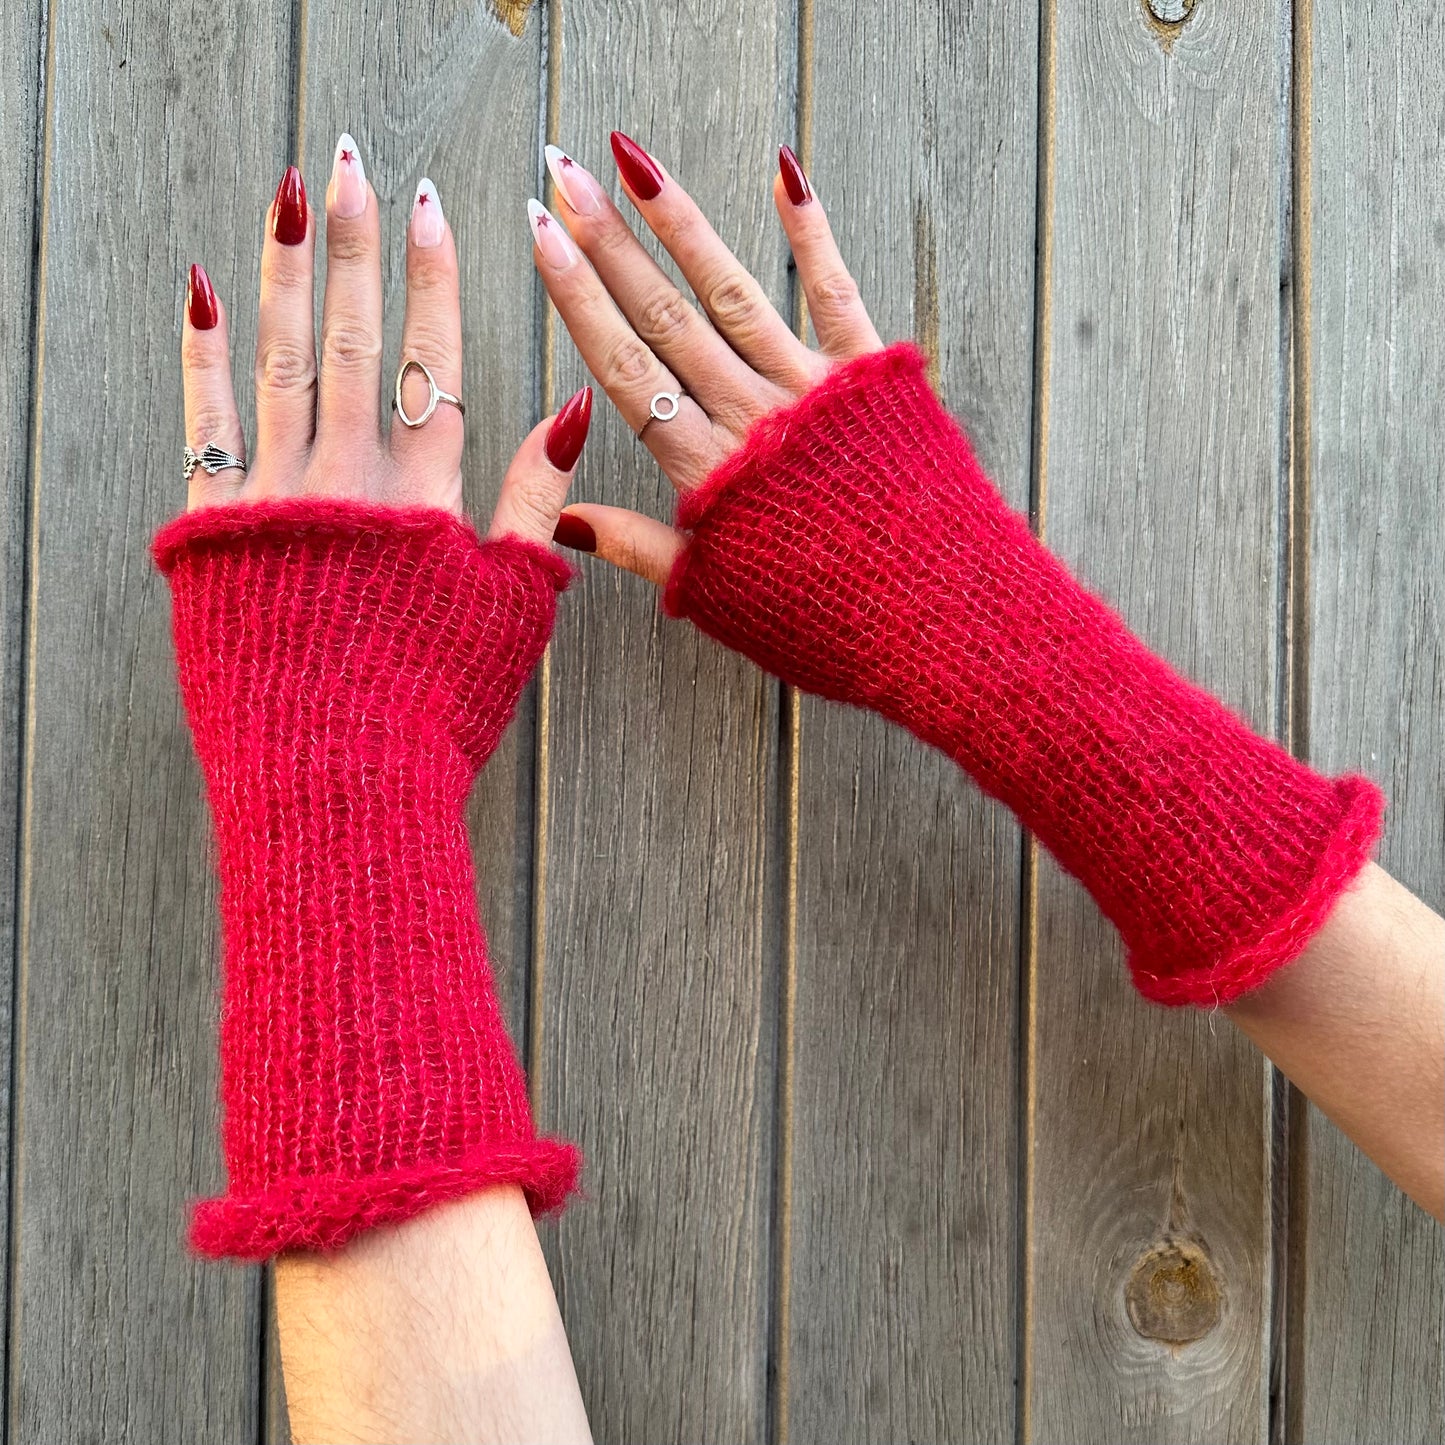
<point>536,483</point>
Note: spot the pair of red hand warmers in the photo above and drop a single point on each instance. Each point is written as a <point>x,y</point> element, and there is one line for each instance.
<point>348,669</point>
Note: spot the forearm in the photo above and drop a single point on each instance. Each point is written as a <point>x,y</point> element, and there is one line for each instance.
<point>444,1328</point>
<point>1358,1024</point>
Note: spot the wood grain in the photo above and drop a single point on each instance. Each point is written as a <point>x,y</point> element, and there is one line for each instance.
<point>1163,490</point>
<point>22,70</point>
<point>901,1311</point>
<point>661,954</point>
<point>1372,1265</point>
<point>158,157</point>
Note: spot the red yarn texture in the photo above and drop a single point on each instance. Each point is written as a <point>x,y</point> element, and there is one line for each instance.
<point>347,669</point>
<point>855,548</point>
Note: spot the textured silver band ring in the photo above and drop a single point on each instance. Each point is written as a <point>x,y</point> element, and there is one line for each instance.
<point>211,459</point>
<point>435,395</point>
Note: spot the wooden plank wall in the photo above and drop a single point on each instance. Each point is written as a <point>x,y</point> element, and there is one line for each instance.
<point>879,1139</point>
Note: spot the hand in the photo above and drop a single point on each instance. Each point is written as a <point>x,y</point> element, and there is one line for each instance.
<point>319,431</point>
<point>639,335</point>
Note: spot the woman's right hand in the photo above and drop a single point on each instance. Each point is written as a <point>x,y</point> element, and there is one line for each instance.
<point>640,336</point>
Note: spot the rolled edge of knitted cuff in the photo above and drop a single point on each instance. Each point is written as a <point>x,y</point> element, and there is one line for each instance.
<point>1246,967</point>
<point>903,360</point>
<point>326,1212</point>
<point>295,517</point>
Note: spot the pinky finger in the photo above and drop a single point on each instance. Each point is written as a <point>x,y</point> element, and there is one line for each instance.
<point>834,305</point>
<point>626,539</point>
<point>211,414</point>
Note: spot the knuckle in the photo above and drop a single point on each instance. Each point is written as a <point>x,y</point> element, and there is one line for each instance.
<point>664,317</point>
<point>198,350</point>
<point>349,347</point>
<point>630,360</point>
<point>835,294</point>
<point>210,423</point>
<point>732,302</point>
<point>283,367</point>
<point>675,229</point>
<point>536,501</point>
<point>349,244</point>
<point>432,269</point>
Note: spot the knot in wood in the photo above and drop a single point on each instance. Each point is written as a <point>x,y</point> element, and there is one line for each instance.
<point>1171,12</point>
<point>1173,1294</point>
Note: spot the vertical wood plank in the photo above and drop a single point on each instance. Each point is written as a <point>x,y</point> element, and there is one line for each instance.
<point>23,38</point>
<point>1163,491</point>
<point>162,119</point>
<point>1372,1264</point>
<point>660,977</point>
<point>902,1295</point>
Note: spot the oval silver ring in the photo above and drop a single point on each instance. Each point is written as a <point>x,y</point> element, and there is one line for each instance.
<point>435,395</point>
<point>672,400</point>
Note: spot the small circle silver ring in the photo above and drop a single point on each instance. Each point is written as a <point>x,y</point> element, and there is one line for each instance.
<point>665,405</point>
<point>435,395</point>
<point>211,459</point>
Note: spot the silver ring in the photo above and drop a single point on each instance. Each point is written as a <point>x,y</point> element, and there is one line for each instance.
<point>435,395</point>
<point>211,458</point>
<point>673,400</point>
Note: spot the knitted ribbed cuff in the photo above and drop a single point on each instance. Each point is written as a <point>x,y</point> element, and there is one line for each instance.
<point>854,547</point>
<point>346,670</point>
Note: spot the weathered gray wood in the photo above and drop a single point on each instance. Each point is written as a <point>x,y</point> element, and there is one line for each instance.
<point>166,125</point>
<point>1372,1264</point>
<point>22,64</point>
<point>903,1231</point>
<point>1163,490</point>
<point>660,963</point>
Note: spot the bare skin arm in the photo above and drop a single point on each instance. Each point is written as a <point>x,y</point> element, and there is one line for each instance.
<point>443,1328</point>
<point>1358,1023</point>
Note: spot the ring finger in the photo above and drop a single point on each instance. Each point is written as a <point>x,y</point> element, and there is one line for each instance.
<point>285,331</point>
<point>687,445</point>
<point>211,415</point>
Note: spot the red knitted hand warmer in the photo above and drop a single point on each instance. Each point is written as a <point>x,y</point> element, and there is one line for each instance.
<point>855,548</point>
<point>347,669</point>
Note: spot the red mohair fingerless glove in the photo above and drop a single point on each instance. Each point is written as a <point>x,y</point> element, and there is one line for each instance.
<point>347,669</point>
<point>855,548</point>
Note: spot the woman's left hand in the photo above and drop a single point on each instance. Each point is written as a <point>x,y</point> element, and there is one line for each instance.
<point>640,336</point>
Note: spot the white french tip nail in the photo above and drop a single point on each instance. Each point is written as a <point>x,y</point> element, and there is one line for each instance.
<point>428,224</point>
<point>575,184</point>
<point>552,240</point>
<point>348,178</point>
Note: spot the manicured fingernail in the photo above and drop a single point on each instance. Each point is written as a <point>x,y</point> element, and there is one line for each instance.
<point>428,225</point>
<point>573,532</point>
<point>795,183</point>
<point>578,186</point>
<point>552,240</point>
<point>201,300</point>
<point>348,179</point>
<point>569,431</point>
<point>288,213</point>
<point>638,168</point>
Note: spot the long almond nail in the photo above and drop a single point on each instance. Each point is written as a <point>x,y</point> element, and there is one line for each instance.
<point>348,180</point>
<point>288,211</point>
<point>577,185</point>
<point>552,241</point>
<point>428,225</point>
<point>201,304</point>
<point>795,181</point>
<point>638,168</point>
<point>568,432</point>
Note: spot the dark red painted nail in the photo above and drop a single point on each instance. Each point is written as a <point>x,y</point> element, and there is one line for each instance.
<point>569,431</point>
<point>201,300</point>
<point>573,532</point>
<point>638,168</point>
<point>288,215</point>
<point>795,183</point>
